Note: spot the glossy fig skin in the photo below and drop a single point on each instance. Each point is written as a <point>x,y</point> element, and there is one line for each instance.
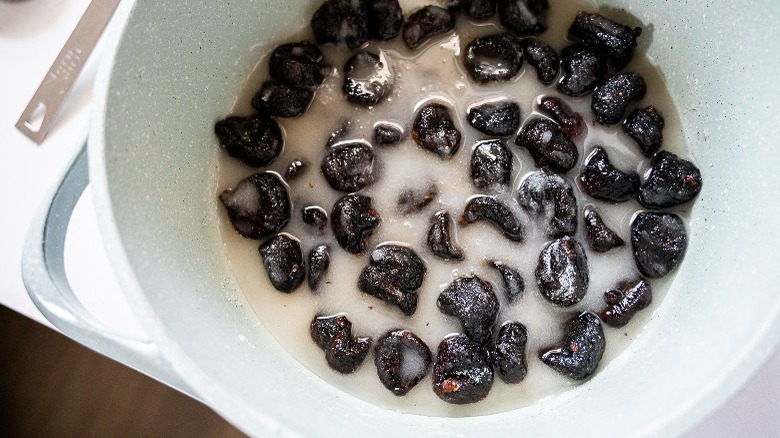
<point>599,236</point>
<point>283,261</point>
<point>491,164</point>
<point>319,262</point>
<point>616,40</point>
<point>582,348</point>
<point>435,130</point>
<point>625,301</point>
<point>462,372</point>
<point>543,58</point>
<point>562,272</point>
<point>601,180</point>
<point>549,145</point>
<point>673,181</point>
<point>314,216</point>
<point>659,241</point>
<point>343,352</point>
<point>394,274</point>
<point>546,195</point>
<point>349,167</point>
<point>258,206</point>
<point>353,220</point>
<point>487,208</point>
<point>514,285</point>
<point>611,99</point>
<point>440,239</point>
<point>507,354</point>
<point>570,121</point>
<point>496,119</point>
<point>494,58</point>
<point>389,354</point>
<point>645,126</point>
<point>368,78</point>
<point>583,69</point>
<point>474,302</point>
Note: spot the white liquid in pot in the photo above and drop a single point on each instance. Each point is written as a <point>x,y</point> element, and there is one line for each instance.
<point>435,72</point>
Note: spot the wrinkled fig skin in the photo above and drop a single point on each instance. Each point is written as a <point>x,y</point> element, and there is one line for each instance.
<point>413,200</point>
<point>562,273</point>
<point>426,23</point>
<point>550,196</point>
<point>514,285</point>
<point>394,274</point>
<point>672,181</point>
<point>623,302</point>
<point>583,346</point>
<point>345,354</point>
<point>299,64</point>
<point>524,17</point>
<point>645,126</point>
<point>479,8</point>
<point>283,261</point>
<point>494,58</point>
<point>281,100</point>
<point>462,372</point>
<point>435,130</point>
<point>385,19</point>
<point>583,70</point>
<point>341,22</point>
<point>368,78</point>
<point>600,238</point>
<point>617,41</point>
<point>507,354</point>
<point>349,167</point>
<point>334,335</point>
<point>489,209</point>
<point>659,242</point>
<point>475,304</point>
<point>258,205</point>
<point>256,140</point>
<point>325,328</point>
<point>496,119</point>
<point>548,145</point>
<point>543,59</point>
<point>386,134</point>
<point>315,216</point>
<point>601,180</point>
<point>611,99</point>
<point>389,355</point>
<point>440,240</point>
<point>570,121</point>
<point>353,220</point>
<point>491,164</point>
<point>319,262</point>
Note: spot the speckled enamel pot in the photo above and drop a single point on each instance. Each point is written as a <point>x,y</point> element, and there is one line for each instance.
<point>178,65</point>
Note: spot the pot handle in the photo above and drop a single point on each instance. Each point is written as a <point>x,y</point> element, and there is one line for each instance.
<point>43,272</point>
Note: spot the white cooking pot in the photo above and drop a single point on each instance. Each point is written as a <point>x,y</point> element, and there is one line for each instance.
<point>177,66</point>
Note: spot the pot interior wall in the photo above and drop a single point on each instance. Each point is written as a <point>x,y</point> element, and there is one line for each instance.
<point>179,67</point>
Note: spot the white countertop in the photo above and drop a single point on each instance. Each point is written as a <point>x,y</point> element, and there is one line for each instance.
<point>31,35</point>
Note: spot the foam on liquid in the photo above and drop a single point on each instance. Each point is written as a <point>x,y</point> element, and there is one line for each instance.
<point>435,73</point>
